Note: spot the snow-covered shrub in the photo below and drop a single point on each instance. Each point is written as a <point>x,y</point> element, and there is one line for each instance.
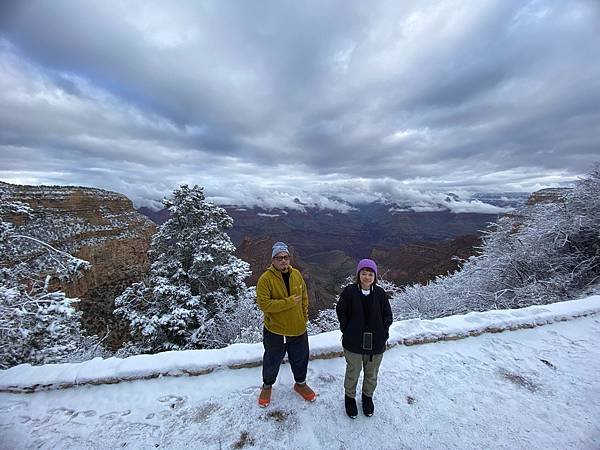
<point>195,291</point>
<point>327,319</point>
<point>247,319</point>
<point>543,253</point>
<point>37,325</point>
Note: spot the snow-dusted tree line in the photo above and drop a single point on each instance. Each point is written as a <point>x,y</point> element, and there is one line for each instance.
<point>194,295</point>
<point>543,253</point>
<point>38,324</point>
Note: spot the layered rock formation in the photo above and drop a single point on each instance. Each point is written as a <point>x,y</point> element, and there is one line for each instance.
<point>549,195</point>
<point>422,262</point>
<point>356,232</point>
<point>98,226</point>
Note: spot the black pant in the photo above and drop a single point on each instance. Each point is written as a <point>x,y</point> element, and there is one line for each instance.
<point>275,348</point>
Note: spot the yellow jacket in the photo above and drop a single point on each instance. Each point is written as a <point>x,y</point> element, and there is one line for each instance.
<point>282,316</point>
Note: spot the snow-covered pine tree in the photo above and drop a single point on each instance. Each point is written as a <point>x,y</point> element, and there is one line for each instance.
<point>195,288</point>
<point>37,325</point>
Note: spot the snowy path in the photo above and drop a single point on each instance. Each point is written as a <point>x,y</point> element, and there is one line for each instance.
<point>534,388</point>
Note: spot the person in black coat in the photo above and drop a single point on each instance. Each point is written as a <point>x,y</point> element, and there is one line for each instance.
<point>365,317</point>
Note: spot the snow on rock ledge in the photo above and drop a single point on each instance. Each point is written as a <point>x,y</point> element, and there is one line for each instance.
<point>27,378</point>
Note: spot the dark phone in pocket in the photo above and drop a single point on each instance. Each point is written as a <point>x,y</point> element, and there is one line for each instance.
<point>367,341</point>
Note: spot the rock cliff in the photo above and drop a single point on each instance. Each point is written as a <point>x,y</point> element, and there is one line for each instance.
<point>548,195</point>
<point>421,262</point>
<point>98,226</point>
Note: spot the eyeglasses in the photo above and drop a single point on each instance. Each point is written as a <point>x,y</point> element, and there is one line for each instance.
<point>281,258</point>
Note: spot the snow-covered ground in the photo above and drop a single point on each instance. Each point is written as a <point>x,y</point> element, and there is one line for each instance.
<point>528,388</point>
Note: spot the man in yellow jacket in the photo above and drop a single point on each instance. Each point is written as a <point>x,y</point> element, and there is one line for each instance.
<point>281,295</point>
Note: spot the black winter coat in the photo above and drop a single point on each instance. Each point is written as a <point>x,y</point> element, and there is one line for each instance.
<point>351,314</point>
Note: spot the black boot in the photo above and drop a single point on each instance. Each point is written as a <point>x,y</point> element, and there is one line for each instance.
<point>367,405</point>
<point>351,408</point>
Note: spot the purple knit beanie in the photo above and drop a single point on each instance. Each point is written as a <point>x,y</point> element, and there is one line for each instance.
<point>366,264</point>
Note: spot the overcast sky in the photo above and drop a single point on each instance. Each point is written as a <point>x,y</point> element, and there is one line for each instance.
<point>262,102</point>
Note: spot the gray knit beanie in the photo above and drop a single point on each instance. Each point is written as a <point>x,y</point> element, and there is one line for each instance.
<point>279,247</point>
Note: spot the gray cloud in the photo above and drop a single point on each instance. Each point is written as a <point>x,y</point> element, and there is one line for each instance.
<point>264,102</point>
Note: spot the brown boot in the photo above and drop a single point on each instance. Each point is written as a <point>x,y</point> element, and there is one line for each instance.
<point>307,393</point>
<point>265,396</point>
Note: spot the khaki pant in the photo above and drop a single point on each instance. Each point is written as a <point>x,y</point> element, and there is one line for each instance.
<point>355,362</point>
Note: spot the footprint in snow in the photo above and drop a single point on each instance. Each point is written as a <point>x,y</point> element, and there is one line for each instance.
<point>87,413</point>
<point>9,406</point>
<point>174,401</point>
<point>114,414</point>
<point>251,389</point>
<point>61,410</point>
<point>328,378</point>
<point>161,415</point>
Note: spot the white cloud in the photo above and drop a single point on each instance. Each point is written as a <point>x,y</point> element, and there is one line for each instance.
<point>304,105</point>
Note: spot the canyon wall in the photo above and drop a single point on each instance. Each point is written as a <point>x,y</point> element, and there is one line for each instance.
<point>99,226</point>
